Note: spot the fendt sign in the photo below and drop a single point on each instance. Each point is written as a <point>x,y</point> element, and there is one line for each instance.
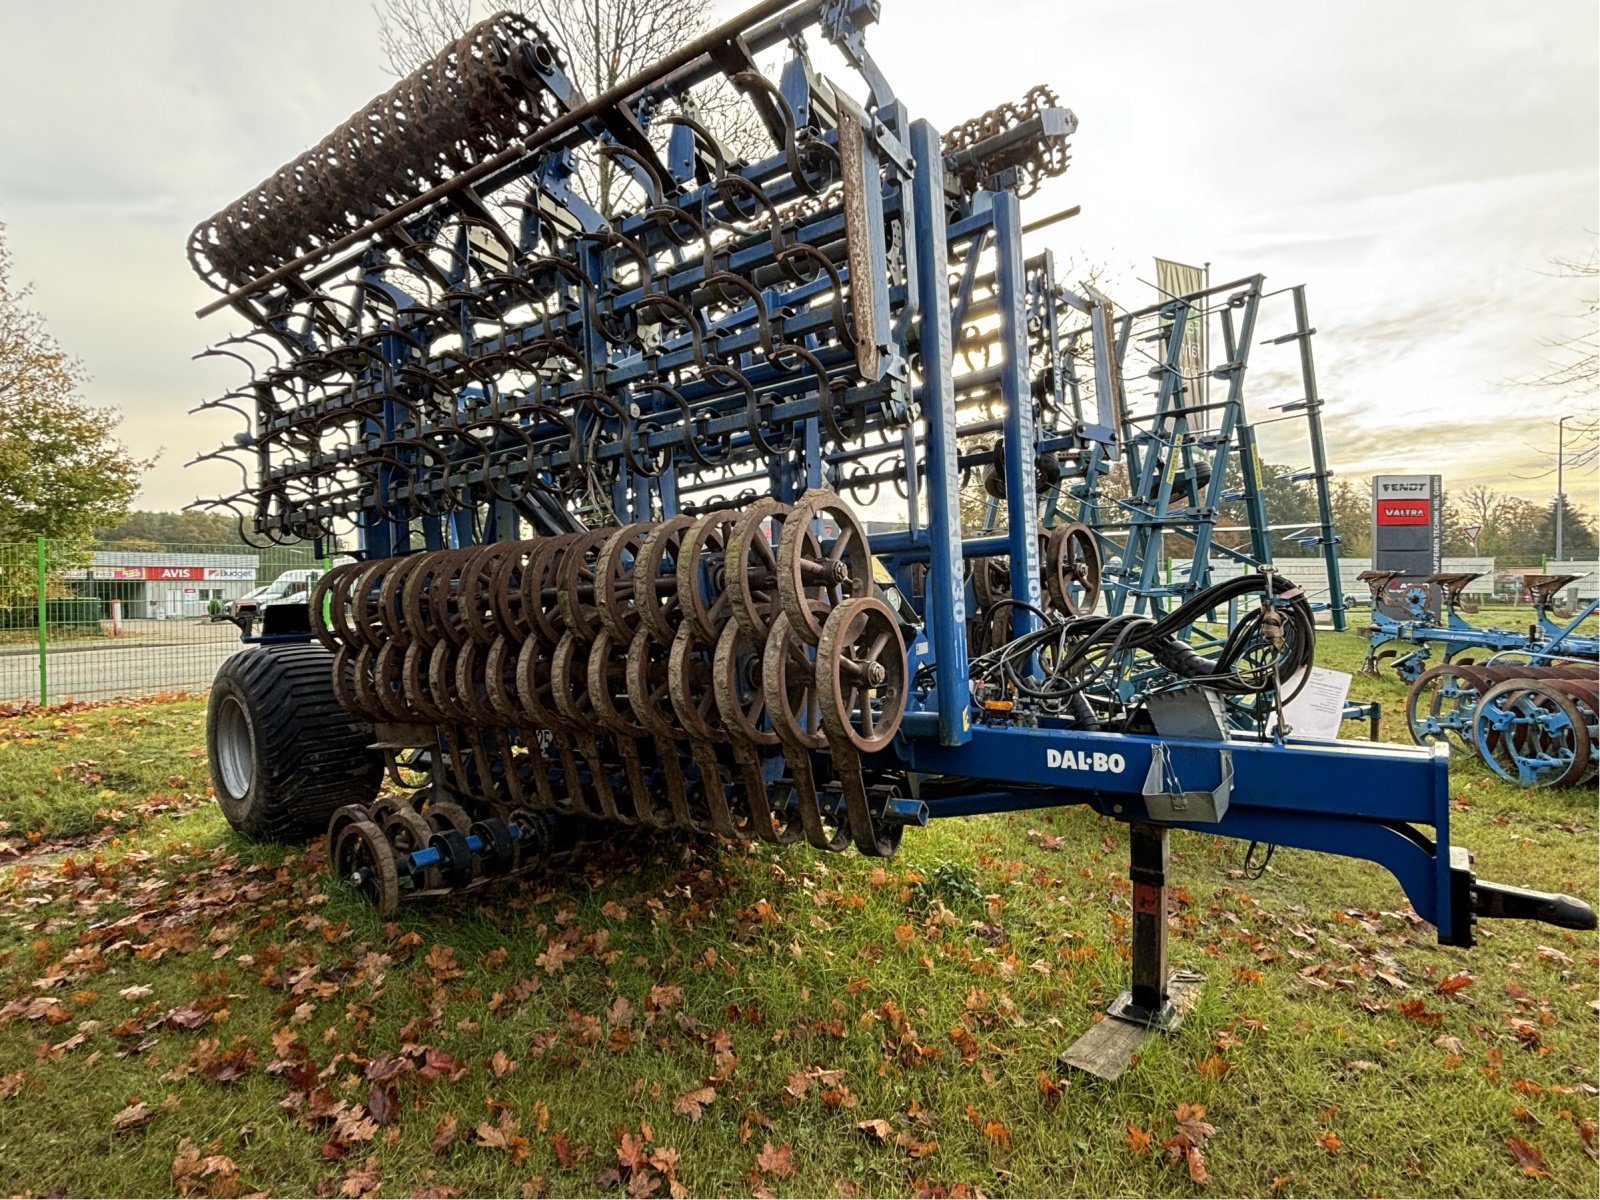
<point>1408,532</point>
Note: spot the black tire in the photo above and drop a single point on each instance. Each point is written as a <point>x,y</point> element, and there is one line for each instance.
<point>284,754</point>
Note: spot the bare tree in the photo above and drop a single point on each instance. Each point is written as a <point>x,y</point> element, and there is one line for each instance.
<point>605,42</point>
<point>411,32</point>
<point>1480,505</point>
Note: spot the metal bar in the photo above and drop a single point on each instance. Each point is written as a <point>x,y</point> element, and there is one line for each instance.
<point>1022,509</point>
<point>1148,854</point>
<point>946,611</point>
<point>1319,459</point>
<point>43,578</point>
<point>1044,222</point>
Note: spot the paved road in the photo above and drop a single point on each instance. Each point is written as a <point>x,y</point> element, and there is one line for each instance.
<point>185,658</point>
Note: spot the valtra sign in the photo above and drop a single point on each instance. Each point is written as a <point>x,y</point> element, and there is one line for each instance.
<point>1404,512</point>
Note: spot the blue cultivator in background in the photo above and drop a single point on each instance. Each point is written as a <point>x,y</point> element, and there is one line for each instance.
<point>1544,641</point>
<point>607,455</point>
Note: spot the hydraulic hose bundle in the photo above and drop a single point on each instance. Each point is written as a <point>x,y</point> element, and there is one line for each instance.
<point>1084,657</point>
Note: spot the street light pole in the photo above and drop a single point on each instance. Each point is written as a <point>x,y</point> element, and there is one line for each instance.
<point>1561,495</point>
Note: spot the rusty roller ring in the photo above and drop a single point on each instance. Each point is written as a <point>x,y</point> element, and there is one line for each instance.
<point>737,687</point>
<point>540,603</point>
<point>811,582</point>
<point>1072,574</point>
<point>655,572</point>
<point>789,676</point>
<point>702,574</point>
<point>689,667</point>
<point>577,586</point>
<point>616,580</point>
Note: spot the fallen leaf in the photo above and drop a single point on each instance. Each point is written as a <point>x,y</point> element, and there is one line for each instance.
<point>1192,1123</point>
<point>692,1104</point>
<point>1329,1141</point>
<point>383,1102</point>
<point>1196,1162</point>
<point>1451,984</point>
<point>1418,1012</point>
<point>998,1134</point>
<point>777,1160</point>
<point>876,1128</point>
<point>1529,1157</point>
<point>1051,1090</point>
<point>445,1133</point>
<point>620,1014</point>
<point>1138,1140</point>
<point>362,1180</point>
<point>501,1064</point>
<point>1214,1066</point>
<point>135,1116</point>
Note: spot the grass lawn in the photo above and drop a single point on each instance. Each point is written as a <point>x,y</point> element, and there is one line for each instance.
<point>184,1011</point>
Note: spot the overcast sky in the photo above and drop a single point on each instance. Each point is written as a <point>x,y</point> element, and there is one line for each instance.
<point>1417,163</point>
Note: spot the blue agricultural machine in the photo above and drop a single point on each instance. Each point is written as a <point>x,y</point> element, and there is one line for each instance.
<point>1402,618</point>
<point>608,477</point>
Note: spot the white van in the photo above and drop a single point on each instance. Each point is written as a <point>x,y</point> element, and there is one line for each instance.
<point>290,587</point>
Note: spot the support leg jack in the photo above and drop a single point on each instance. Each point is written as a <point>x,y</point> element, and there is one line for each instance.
<point>1157,1002</point>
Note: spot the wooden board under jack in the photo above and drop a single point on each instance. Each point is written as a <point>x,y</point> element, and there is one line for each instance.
<point>1110,1045</point>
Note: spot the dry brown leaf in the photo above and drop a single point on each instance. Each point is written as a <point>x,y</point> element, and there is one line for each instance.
<point>777,1160</point>
<point>1214,1066</point>
<point>445,1133</point>
<point>1192,1123</point>
<point>876,1128</point>
<point>1529,1157</point>
<point>692,1104</point>
<point>997,1134</point>
<point>501,1064</point>
<point>135,1116</point>
<point>1195,1160</point>
<point>362,1180</point>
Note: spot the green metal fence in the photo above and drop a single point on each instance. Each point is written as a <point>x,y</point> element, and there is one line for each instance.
<point>133,618</point>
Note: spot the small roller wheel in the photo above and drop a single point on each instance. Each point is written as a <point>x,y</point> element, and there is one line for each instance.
<point>702,574</point>
<point>616,580</point>
<point>1072,569</point>
<point>363,859</point>
<point>341,817</point>
<point>861,674</point>
<point>408,831</point>
<point>1439,707</point>
<point>752,558</point>
<point>736,685</point>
